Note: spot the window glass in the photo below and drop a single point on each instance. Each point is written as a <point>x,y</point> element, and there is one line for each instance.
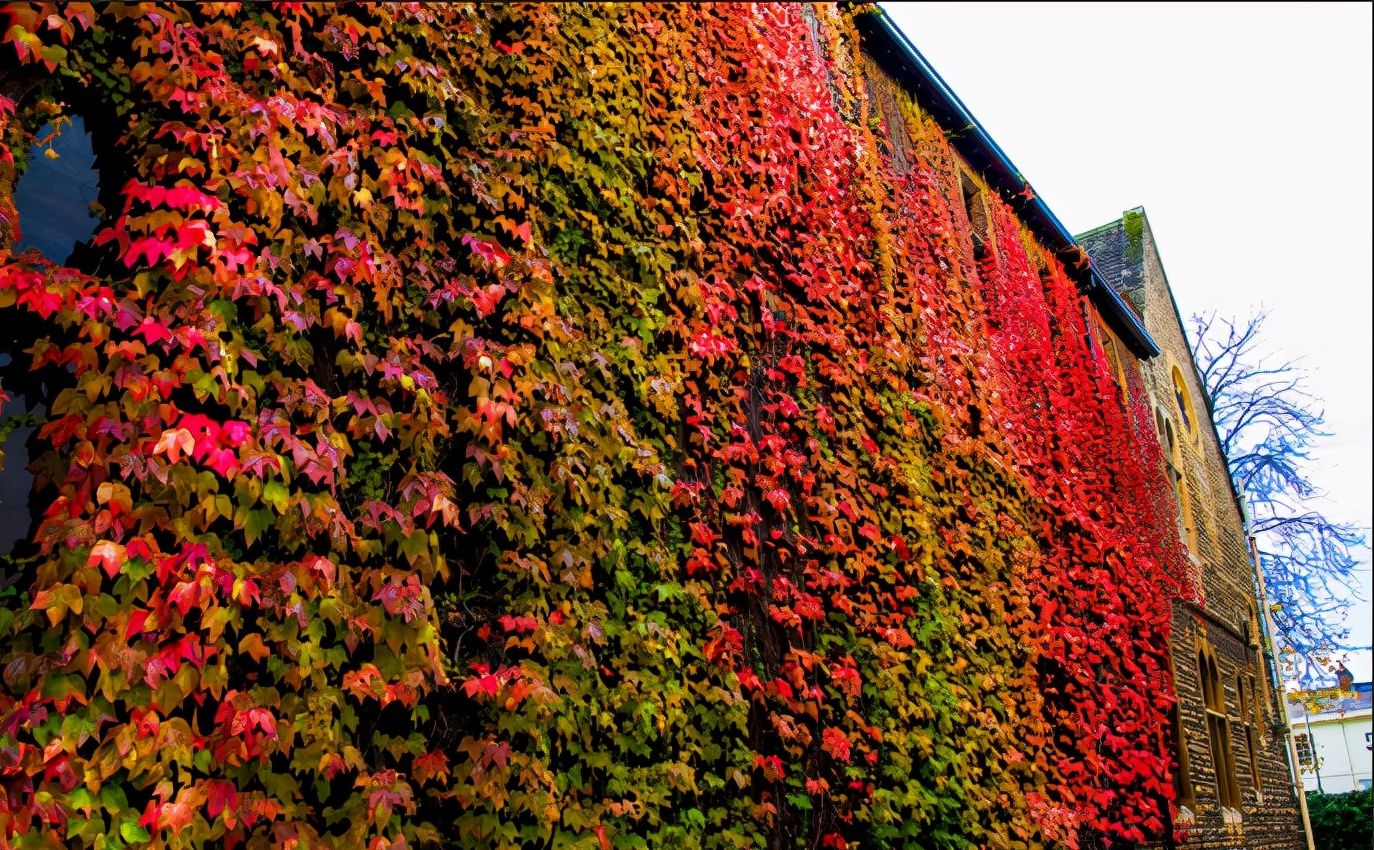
<point>1218,729</point>
<point>1185,401</point>
<point>976,210</point>
<point>1303,744</point>
<point>1183,780</point>
<point>15,479</point>
<point>1244,694</point>
<point>54,196</point>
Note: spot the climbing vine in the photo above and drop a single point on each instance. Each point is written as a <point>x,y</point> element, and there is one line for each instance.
<point>587,427</point>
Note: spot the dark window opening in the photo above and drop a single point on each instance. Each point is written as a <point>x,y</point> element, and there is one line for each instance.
<point>1109,350</point>
<point>1303,745</point>
<point>976,209</point>
<point>1185,402</point>
<point>56,195</point>
<point>1173,469</point>
<point>1218,730</point>
<point>57,201</point>
<point>1183,780</point>
<point>1249,719</point>
<point>1088,339</point>
<point>16,482</point>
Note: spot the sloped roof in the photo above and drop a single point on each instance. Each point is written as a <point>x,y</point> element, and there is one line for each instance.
<point>1117,254</point>
<point>1107,247</point>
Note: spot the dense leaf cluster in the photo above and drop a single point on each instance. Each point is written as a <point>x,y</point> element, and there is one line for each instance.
<point>582,427</point>
<point>1342,821</point>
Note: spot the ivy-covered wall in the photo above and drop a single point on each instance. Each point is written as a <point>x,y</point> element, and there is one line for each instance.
<point>556,426</point>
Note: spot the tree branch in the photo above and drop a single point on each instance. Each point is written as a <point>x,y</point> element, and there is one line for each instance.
<point>1268,423</point>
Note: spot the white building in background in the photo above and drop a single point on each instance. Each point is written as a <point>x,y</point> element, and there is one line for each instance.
<point>1332,732</point>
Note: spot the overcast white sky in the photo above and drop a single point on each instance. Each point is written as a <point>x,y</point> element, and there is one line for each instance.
<point>1245,132</point>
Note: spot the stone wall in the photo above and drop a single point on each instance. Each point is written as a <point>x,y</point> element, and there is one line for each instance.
<point>1227,618</point>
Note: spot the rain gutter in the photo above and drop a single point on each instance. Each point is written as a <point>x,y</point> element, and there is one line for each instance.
<point>890,46</point>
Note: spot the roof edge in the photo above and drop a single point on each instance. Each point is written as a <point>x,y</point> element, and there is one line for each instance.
<point>888,44</point>
<point>1096,230</point>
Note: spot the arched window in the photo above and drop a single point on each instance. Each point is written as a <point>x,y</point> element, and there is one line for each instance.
<point>1184,793</point>
<point>1260,696</point>
<point>1183,779</point>
<point>975,207</point>
<point>1109,348</point>
<point>1218,728</point>
<point>15,479</point>
<point>54,198</point>
<point>1245,689</point>
<point>1185,402</point>
<point>1173,467</point>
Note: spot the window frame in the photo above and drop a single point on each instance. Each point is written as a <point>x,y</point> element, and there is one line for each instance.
<point>975,207</point>
<point>1218,728</point>
<point>1245,687</point>
<point>1184,401</point>
<point>1178,478</point>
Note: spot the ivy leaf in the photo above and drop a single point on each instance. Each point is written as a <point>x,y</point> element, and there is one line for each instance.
<point>275,494</point>
<point>174,443</point>
<point>133,833</point>
<point>258,521</point>
<point>108,555</point>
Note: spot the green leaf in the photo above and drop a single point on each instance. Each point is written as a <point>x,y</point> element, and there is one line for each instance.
<point>258,521</point>
<point>113,799</point>
<point>62,687</point>
<point>131,832</point>
<point>275,494</point>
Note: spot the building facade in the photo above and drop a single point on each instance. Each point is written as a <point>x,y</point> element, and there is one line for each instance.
<point>1235,784</point>
<point>1332,733</point>
<point>607,426</point>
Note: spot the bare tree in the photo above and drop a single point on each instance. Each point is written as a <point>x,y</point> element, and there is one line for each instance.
<point>1269,425</point>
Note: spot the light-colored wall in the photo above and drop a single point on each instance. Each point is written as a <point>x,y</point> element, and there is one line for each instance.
<point>1341,748</point>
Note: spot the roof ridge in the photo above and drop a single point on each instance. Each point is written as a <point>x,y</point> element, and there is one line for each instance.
<point>1100,228</point>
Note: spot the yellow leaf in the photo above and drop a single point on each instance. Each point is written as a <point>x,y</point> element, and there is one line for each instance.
<point>252,644</point>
